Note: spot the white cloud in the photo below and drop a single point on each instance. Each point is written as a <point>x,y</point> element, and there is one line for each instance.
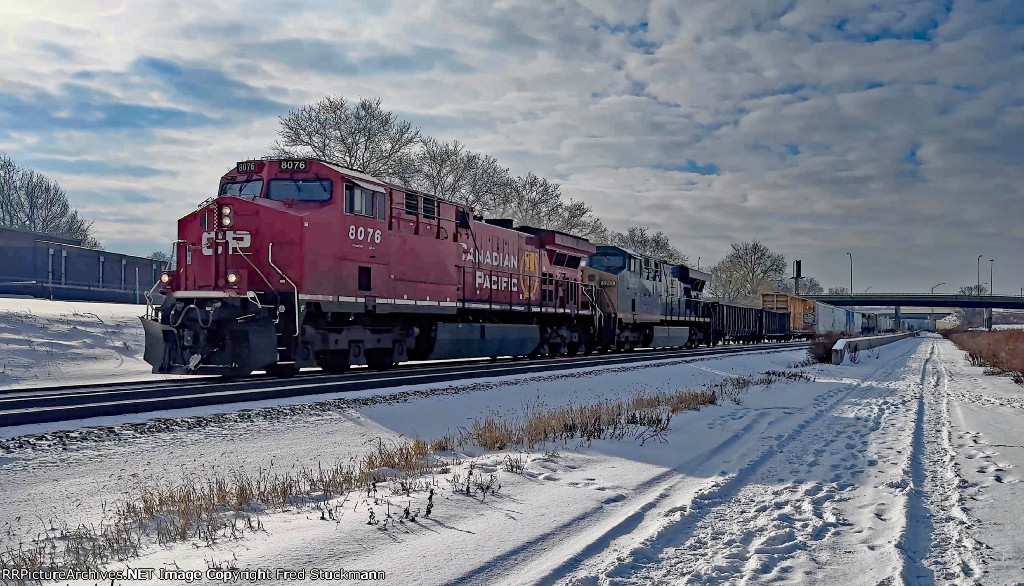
<point>891,129</point>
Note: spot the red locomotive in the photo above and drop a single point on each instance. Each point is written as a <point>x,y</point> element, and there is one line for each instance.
<point>304,263</point>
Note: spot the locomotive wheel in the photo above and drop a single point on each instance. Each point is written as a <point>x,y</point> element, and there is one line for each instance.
<point>332,361</point>
<point>282,370</point>
<point>380,358</point>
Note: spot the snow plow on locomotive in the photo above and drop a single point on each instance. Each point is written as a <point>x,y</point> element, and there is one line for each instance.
<point>303,263</point>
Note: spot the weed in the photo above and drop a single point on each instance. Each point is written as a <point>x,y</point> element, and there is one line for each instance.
<point>1000,352</point>
<point>515,464</point>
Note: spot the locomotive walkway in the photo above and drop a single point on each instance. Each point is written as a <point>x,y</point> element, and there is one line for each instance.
<point>54,404</point>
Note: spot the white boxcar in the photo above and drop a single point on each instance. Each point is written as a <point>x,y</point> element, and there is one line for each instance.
<point>830,318</point>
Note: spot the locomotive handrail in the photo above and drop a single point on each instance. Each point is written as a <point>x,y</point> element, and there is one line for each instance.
<point>575,291</point>
<point>150,314</point>
<point>270,287</point>
<point>270,260</point>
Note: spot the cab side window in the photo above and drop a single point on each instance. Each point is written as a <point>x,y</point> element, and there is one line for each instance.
<point>360,201</point>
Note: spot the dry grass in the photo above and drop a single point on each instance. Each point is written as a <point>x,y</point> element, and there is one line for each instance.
<point>1002,352</point>
<point>641,417</point>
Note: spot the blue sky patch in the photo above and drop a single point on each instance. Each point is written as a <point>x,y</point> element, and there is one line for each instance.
<point>91,167</point>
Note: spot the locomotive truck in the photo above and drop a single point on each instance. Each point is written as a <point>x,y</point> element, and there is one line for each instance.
<point>300,263</point>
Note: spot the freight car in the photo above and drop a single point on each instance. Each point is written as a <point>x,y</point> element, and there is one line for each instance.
<point>302,262</point>
<point>809,318</point>
<point>876,324</point>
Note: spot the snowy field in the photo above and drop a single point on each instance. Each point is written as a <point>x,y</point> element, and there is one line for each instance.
<point>44,343</point>
<point>900,469</point>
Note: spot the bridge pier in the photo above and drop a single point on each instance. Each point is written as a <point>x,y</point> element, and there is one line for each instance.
<point>896,318</point>
<point>988,318</point>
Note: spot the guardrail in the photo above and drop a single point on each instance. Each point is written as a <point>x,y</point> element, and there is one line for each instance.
<point>846,345</point>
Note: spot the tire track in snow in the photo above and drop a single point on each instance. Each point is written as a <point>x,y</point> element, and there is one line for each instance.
<point>915,543</point>
<point>648,496</point>
<point>739,530</point>
<point>937,542</point>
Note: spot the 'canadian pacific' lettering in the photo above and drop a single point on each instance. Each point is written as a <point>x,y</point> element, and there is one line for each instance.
<point>496,282</point>
<point>495,259</point>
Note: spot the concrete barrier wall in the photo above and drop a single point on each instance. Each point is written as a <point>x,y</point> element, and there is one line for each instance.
<point>846,345</point>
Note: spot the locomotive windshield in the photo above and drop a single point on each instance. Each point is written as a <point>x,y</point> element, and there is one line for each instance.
<point>243,188</point>
<point>609,261</point>
<point>300,189</point>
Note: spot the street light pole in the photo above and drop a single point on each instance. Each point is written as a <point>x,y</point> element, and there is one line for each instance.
<point>933,293</point>
<point>978,290</point>
<point>991,283</point>
<point>851,271</point>
<point>869,288</point>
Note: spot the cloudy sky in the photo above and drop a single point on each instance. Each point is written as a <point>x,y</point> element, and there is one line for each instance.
<point>892,129</point>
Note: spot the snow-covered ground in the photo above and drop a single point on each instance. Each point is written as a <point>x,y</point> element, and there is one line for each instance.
<point>44,343</point>
<point>898,469</point>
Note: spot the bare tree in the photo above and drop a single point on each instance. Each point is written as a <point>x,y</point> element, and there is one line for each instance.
<point>838,291</point>
<point>535,201</point>
<point>32,201</point>
<point>974,290</point>
<point>488,187</point>
<point>640,240</point>
<point>362,136</point>
<point>443,168</point>
<point>749,269</point>
<point>366,137</point>
<point>808,286</point>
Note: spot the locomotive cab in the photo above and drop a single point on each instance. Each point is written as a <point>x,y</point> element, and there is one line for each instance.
<point>231,303</point>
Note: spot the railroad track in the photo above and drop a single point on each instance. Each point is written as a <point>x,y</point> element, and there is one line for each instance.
<point>53,404</point>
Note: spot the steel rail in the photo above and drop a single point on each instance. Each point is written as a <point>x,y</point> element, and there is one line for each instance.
<point>123,399</point>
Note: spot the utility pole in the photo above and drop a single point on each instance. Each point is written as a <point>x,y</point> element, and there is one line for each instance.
<point>851,272</point>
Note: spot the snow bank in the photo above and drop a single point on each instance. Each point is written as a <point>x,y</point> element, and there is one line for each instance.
<point>45,343</point>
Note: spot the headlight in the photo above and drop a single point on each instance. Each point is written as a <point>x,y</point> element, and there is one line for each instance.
<point>165,278</point>
<point>232,278</point>
<point>225,216</point>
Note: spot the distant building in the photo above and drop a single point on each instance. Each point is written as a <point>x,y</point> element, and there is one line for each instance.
<point>45,265</point>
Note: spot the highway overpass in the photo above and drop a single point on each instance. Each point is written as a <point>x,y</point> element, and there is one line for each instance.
<point>922,300</point>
